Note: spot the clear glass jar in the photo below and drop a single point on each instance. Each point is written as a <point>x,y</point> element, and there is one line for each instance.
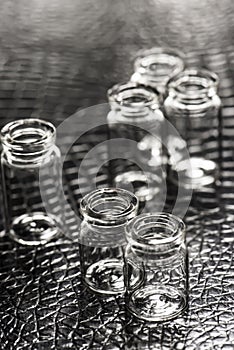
<point>155,269</point>
<point>154,67</point>
<point>31,166</point>
<point>193,107</point>
<point>105,213</point>
<point>138,156</point>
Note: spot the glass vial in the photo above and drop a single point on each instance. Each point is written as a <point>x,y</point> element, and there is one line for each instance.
<point>193,107</point>
<point>137,156</point>
<point>156,267</point>
<point>105,213</point>
<point>30,165</point>
<point>154,67</point>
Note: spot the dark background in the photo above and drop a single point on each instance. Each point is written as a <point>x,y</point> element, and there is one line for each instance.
<point>57,56</point>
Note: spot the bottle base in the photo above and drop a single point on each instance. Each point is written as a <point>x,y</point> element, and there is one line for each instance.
<point>105,277</point>
<point>202,172</point>
<point>156,303</point>
<point>144,185</point>
<point>34,229</point>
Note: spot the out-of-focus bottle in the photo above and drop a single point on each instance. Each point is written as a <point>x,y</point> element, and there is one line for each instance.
<point>154,67</point>
<point>193,107</point>
<point>136,152</point>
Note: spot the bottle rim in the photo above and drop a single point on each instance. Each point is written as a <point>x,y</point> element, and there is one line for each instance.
<point>130,95</point>
<point>145,58</point>
<point>193,83</point>
<point>140,232</point>
<point>30,136</point>
<point>127,206</point>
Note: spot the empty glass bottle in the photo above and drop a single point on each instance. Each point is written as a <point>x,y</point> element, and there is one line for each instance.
<point>156,267</point>
<point>193,107</point>
<point>154,67</point>
<point>105,213</point>
<point>31,183</point>
<point>137,156</point>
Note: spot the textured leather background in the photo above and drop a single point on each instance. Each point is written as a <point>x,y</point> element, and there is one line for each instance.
<point>55,57</point>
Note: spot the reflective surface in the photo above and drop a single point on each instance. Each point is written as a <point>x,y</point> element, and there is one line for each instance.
<point>58,56</point>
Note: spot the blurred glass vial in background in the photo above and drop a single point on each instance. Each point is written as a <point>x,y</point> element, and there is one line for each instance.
<point>155,66</point>
<point>193,107</point>
<point>136,152</point>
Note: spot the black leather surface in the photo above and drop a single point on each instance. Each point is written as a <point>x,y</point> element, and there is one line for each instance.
<point>55,57</point>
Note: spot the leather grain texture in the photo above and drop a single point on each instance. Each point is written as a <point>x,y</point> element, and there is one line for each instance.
<point>55,57</point>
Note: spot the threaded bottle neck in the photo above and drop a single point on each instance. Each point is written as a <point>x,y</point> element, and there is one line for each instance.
<point>26,142</point>
<point>132,100</point>
<point>158,234</point>
<point>109,207</point>
<point>154,67</point>
<point>193,87</point>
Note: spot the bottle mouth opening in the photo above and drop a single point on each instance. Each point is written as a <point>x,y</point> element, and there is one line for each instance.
<point>134,97</point>
<point>194,84</point>
<point>109,206</point>
<point>159,62</point>
<point>28,135</point>
<point>150,231</point>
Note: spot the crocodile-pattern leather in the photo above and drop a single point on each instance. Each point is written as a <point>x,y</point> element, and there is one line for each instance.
<point>55,57</point>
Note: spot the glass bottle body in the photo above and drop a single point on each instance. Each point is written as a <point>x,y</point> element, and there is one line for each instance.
<point>105,212</point>
<point>193,106</point>
<point>137,156</point>
<point>154,67</point>
<point>30,165</point>
<point>156,267</point>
